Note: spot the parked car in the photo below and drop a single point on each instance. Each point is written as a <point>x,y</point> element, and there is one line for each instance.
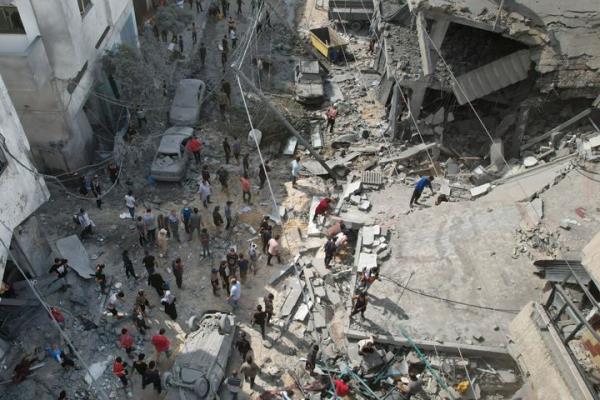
<point>309,83</point>
<point>186,103</point>
<point>171,159</point>
<point>200,368</point>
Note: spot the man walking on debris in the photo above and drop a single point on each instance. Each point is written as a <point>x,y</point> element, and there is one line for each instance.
<point>151,225</point>
<point>243,345</point>
<point>273,250</point>
<point>227,212</point>
<point>226,150</point>
<point>268,299</point>
<point>195,223</point>
<point>262,173</point>
<point>178,271</point>
<point>205,242</point>
<point>225,275</point>
<point>149,262</point>
<point>259,318</point>
<point>419,187</point>
<point>359,305</point>
<point>236,147</point>
<point>152,376</point>
<point>161,344</point>
<point>217,219</point>
<point>226,88</point>
<point>130,203</point>
<point>330,249</point>
<point>249,370</point>
<point>265,230</point>
<point>86,223</point>
<point>223,177</point>
<point>173,223</point>
<point>129,271</point>
<point>204,190</point>
<point>246,194</point>
<point>234,294</point>
<point>202,51</point>
<point>239,6</point>
<point>331,116</point>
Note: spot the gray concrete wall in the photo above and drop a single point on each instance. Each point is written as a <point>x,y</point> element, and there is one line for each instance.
<point>21,191</point>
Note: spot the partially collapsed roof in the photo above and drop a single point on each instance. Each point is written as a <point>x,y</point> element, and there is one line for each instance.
<point>563,34</point>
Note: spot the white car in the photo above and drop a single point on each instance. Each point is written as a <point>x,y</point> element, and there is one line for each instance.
<point>171,159</point>
<point>185,108</point>
<point>309,83</point>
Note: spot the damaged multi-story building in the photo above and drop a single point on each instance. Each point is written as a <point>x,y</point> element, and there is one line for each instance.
<point>529,69</point>
<point>23,248</point>
<point>50,54</point>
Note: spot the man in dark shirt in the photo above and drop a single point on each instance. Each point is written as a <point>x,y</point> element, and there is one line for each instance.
<point>149,262</point>
<point>243,345</point>
<point>260,318</point>
<point>152,376</point>
<point>232,260</point>
<point>265,230</point>
<point>243,265</point>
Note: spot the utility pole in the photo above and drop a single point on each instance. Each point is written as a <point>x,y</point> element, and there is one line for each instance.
<point>285,122</point>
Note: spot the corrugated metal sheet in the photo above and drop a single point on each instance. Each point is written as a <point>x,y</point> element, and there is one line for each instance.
<point>492,77</point>
<point>372,178</point>
<point>558,270</point>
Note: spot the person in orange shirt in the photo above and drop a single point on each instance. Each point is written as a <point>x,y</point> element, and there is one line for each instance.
<point>246,190</point>
<point>194,146</point>
<point>126,342</point>
<point>120,372</point>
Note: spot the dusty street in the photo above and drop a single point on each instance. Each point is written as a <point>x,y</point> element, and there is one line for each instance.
<point>433,229</point>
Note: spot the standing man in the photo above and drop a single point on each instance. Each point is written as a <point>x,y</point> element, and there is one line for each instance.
<point>97,191</point>
<point>130,203</point>
<point>265,230</point>
<point>239,6</point>
<point>252,254</point>
<point>195,223</point>
<point>249,370</point>
<point>359,305</point>
<point>331,116</point>
<point>126,342</point>
<point>419,187</point>
<point>295,170</point>
<point>173,222</point>
<point>194,146</point>
<point>233,37</point>
<point>100,277</point>
<point>161,344</point>
<point>202,51</point>
<point>243,268</point>
<point>234,384</point>
<point>234,294</point>
<point>237,149</point>
<point>152,376</point>
<point>151,225</point>
<point>194,33</point>
<point>259,318</point>
<point>262,173</point>
<point>246,164</point>
<point>223,103</point>
<point>246,194</point>
<point>330,249</point>
<point>113,172</point>
<point>268,299</point>
<point>186,214</point>
<point>243,345</point>
<point>205,242</point>
<point>178,272</point>
<point>226,150</point>
<point>232,260</point>
<point>204,190</point>
<point>217,219</point>
<point>199,6</point>
<point>273,250</point>
<point>149,262</point>
<point>141,229</point>
<point>223,177</point>
<point>227,213</point>
<point>128,265</point>
<point>226,88</point>
<point>180,41</point>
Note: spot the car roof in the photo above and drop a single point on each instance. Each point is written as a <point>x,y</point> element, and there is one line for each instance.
<point>172,138</point>
<point>187,92</point>
<point>309,67</point>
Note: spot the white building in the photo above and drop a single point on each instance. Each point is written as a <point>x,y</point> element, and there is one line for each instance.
<point>50,52</point>
<point>22,191</point>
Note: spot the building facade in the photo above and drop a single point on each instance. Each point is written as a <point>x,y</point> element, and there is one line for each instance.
<point>50,58</point>
<point>22,192</point>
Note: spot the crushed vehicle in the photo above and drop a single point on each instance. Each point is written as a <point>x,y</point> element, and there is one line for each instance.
<point>171,159</point>
<point>187,102</point>
<point>309,83</point>
<point>200,368</point>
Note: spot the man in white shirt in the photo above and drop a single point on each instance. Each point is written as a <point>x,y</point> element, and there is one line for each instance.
<point>234,294</point>
<point>130,203</point>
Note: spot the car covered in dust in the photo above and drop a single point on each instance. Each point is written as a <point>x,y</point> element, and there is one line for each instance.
<point>199,369</point>
<point>171,159</point>
<point>187,102</point>
<point>309,83</point>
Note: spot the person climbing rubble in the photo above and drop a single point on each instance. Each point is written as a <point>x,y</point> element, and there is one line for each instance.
<point>421,184</point>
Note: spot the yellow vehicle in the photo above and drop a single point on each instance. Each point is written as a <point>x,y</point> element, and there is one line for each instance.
<point>328,43</point>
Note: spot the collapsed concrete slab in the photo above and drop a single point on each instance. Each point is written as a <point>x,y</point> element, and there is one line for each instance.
<point>72,249</point>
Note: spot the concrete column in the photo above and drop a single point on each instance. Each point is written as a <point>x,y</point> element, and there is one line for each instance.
<point>424,45</point>
<point>394,111</point>
<point>438,33</point>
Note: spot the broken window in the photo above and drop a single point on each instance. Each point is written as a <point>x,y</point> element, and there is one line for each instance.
<point>84,6</point>
<point>10,20</point>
